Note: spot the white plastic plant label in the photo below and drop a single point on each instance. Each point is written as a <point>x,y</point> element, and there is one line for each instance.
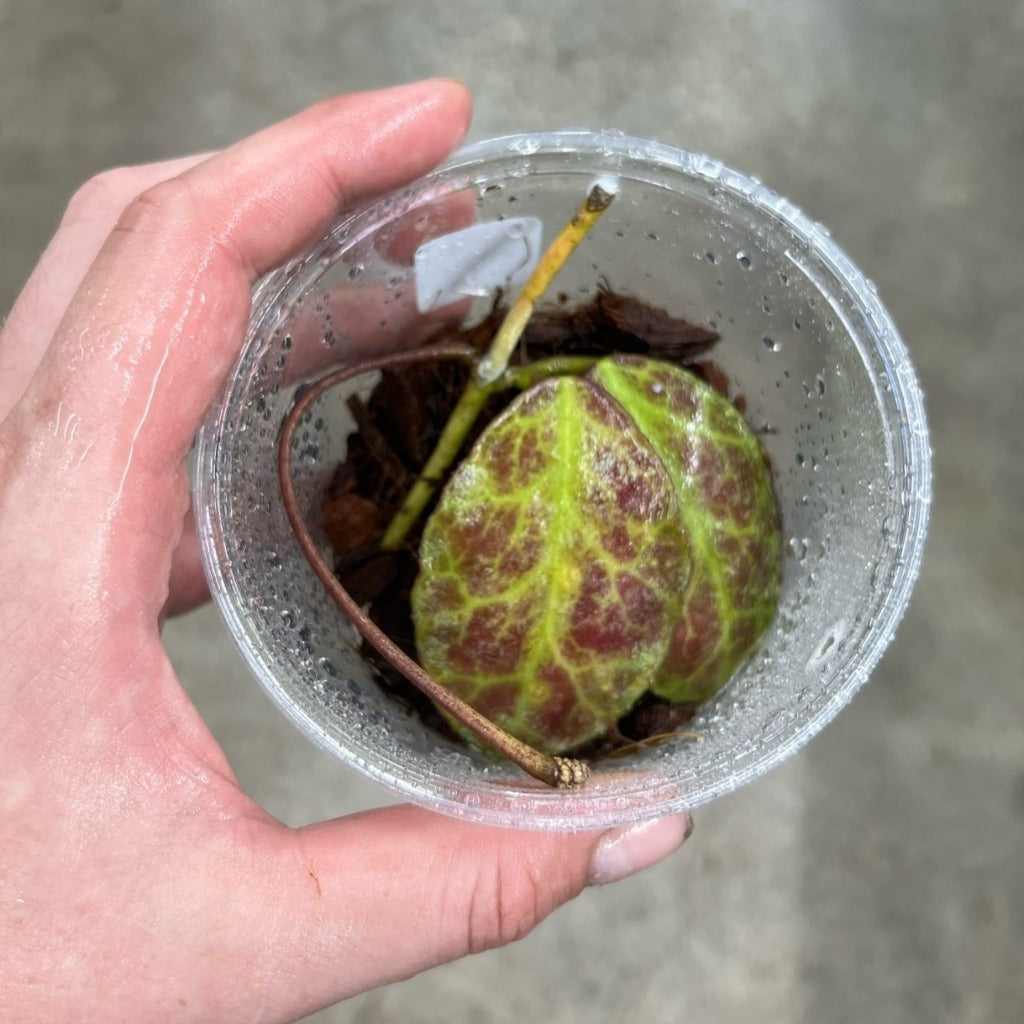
<point>477,260</point>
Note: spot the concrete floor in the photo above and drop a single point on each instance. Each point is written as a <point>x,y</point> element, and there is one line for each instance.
<point>879,875</point>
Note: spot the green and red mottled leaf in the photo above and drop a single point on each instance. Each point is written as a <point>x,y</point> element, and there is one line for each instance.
<point>553,567</point>
<point>722,479</point>
<point>606,536</point>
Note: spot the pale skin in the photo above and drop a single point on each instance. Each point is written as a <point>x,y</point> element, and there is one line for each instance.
<point>137,881</point>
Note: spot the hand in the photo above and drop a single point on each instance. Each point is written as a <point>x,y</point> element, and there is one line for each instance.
<point>137,881</point>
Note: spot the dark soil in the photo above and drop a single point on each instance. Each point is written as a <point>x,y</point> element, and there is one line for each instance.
<point>397,430</point>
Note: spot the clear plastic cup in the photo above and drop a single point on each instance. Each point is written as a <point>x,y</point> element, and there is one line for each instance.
<point>804,338</point>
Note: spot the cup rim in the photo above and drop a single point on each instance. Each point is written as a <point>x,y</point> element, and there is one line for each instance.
<point>505,805</point>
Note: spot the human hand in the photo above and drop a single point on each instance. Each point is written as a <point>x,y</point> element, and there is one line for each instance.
<point>137,881</point>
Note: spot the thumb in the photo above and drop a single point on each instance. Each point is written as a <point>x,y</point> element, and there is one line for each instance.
<point>380,896</point>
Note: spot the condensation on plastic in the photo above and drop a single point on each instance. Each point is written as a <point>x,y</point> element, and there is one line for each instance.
<point>804,338</point>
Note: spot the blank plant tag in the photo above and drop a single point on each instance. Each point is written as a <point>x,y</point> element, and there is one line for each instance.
<point>476,261</point>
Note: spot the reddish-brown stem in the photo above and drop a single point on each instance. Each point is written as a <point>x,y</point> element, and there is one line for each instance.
<point>561,772</point>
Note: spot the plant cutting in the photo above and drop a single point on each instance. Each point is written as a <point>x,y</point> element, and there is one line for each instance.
<point>611,535</point>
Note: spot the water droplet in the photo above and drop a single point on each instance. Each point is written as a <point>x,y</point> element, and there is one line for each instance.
<point>819,385</point>
<point>286,342</point>
<point>287,619</point>
<point>744,260</point>
<point>522,169</point>
<point>831,644</point>
<point>329,339</point>
<point>771,344</point>
<point>710,257</point>
<point>799,547</point>
<point>354,273</point>
<point>525,145</point>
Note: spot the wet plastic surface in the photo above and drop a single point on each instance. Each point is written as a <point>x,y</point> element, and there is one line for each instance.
<point>805,340</point>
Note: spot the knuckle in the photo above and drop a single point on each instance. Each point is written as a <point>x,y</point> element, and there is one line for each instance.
<point>169,203</point>
<point>6,452</point>
<point>507,901</point>
<point>104,194</point>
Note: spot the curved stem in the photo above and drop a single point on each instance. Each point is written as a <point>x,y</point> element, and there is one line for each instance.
<point>525,376</point>
<point>561,772</point>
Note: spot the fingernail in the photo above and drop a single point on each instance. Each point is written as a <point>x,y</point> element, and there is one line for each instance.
<point>626,851</point>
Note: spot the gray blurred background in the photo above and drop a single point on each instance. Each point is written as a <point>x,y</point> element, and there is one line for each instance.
<point>879,875</point>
